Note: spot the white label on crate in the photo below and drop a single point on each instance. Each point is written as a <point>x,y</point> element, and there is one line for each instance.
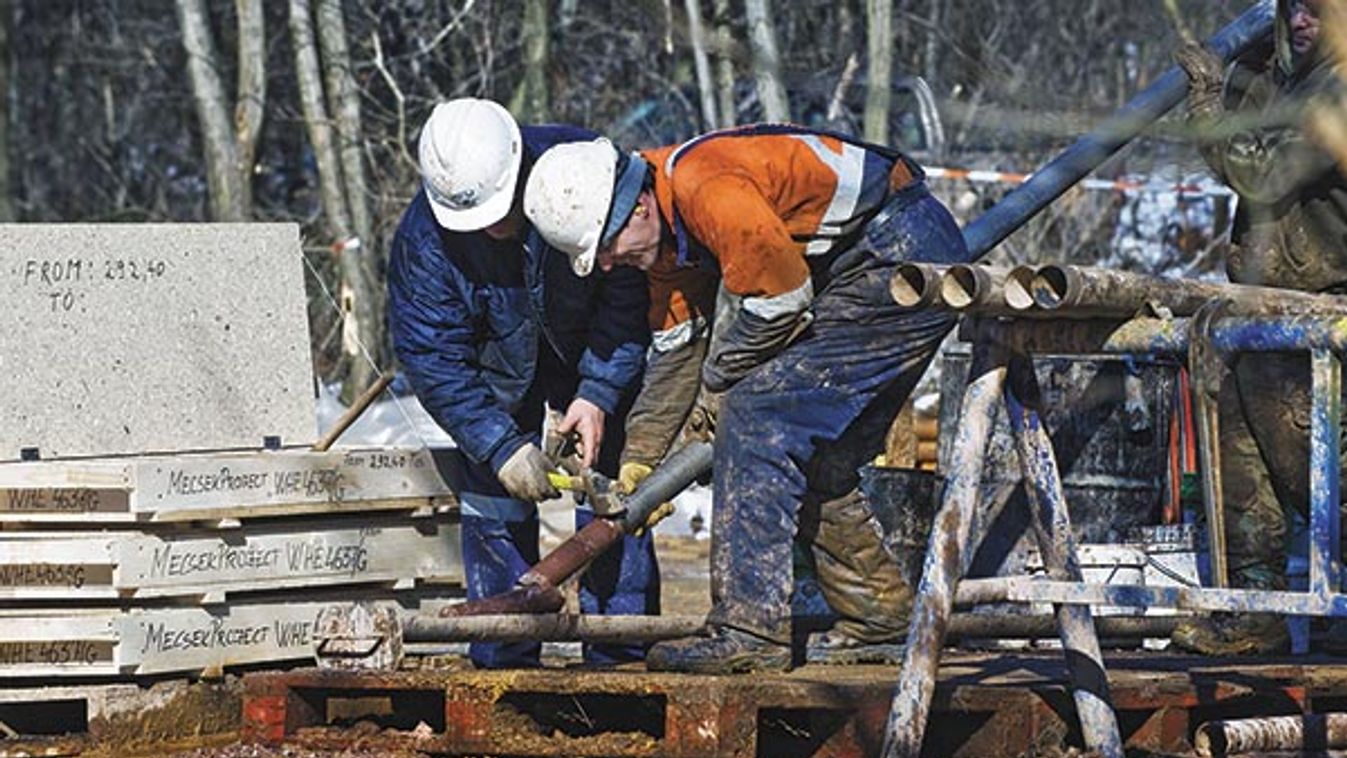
<point>63,500</point>
<point>332,477</point>
<point>55,653</point>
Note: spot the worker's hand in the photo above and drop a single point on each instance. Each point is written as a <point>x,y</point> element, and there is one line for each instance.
<point>585,419</point>
<point>524,475</point>
<point>629,477</point>
<point>1205,74</point>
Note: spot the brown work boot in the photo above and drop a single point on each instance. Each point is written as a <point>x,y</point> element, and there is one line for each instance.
<point>1233,634</point>
<point>720,650</point>
<point>837,648</point>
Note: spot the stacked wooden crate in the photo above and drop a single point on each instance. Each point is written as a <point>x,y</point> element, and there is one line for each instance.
<point>193,563</point>
<point>129,543</point>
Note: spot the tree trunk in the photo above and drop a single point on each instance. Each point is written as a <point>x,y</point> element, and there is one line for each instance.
<point>252,90</point>
<point>704,86</point>
<point>227,193</point>
<point>879,72</point>
<point>362,291</point>
<point>530,101</point>
<point>766,60</point>
<point>319,126</point>
<point>934,18</point>
<point>724,53</point>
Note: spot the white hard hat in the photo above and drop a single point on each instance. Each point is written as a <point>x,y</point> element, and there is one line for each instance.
<point>579,196</point>
<point>470,152</point>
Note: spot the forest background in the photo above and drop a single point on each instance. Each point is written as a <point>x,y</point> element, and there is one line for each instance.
<point>309,110</point>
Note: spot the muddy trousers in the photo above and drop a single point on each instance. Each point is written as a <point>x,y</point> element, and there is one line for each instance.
<point>792,435</point>
<point>1264,407</point>
<point>500,542</point>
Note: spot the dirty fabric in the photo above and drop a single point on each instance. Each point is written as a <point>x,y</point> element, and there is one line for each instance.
<point>1265,453</point>
<point>820,398</point>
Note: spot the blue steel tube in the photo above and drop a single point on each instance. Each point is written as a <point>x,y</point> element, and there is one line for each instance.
<point>1325,484</point>
<point>948,554</point>
<point>1089,151</point>
<point>1052,526</point>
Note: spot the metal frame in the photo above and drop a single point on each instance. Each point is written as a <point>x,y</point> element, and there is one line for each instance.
<point>1002,370</point>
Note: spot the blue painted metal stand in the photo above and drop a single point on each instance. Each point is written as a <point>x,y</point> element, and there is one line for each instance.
<point>1002,370</point>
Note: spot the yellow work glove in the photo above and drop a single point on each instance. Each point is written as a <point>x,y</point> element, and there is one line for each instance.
<point>629,477</point>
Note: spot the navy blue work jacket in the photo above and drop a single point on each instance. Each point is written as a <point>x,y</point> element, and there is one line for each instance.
<point>469,315</point>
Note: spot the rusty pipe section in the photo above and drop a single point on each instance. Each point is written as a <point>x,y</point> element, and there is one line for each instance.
<point>536,590</point>
<point>556,627</point>
<point>963,287</point>
<point>916,285</point>
<point>968,286</point>
<point>1088,291</point>
<point>1311,731</point>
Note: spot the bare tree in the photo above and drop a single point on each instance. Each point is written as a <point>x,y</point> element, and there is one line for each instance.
<point>308,75</point>
<point>879,72</point>
<point>362,294</point>
<point>766,60</point>
<point>724,55</point>
<point>228,150</point>
<point>530,101</point>
<point>704,86</point>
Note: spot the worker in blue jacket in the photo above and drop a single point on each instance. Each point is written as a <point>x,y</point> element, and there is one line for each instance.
<point>491,324</point>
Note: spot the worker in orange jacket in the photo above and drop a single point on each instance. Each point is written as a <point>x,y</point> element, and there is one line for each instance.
<point>805,229</point>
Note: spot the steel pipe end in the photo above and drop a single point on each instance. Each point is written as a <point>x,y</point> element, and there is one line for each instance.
<point>959,287</point>
<point>1055,286</point>
<point>915,285</point>
<point>1018,290</point>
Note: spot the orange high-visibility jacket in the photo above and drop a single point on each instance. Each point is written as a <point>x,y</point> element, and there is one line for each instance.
<point>761,204</point>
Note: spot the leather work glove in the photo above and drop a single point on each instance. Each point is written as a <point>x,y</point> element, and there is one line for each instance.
<point>524,475</point>
<point>629,477</point>
<point>1205,74</point>
<point>748,343</point>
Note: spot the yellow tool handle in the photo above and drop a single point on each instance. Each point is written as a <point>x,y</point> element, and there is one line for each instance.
<point>565,482</point>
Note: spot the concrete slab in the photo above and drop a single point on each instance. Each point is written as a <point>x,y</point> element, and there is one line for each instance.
<point>126,339</point>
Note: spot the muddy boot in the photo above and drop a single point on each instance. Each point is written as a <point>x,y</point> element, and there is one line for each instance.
<point>721,650</point>
<point>1233,634</point>
<point>837,648</point>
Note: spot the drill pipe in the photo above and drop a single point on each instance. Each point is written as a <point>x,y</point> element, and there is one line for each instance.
<point>965,286</point>
<point>916,285</point>
<point>638,629</point>
<point>1017,288</point>
<point>1086,291</point>
<point>985,289</point>
<point>1311,731</point>
<point>1089,151</point>
<point>536,591</point>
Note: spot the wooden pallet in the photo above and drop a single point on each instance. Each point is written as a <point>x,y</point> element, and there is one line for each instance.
<point>222,486</point>
<point>985,705</point>
<point>212,565</point>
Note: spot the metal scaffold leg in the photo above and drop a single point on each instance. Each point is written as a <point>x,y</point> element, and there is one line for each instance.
<point>1052,526</point>
<point>947,555</point>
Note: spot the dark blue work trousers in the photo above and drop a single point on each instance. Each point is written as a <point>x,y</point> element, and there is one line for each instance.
<point>500,542</point>
<point>801,425</point>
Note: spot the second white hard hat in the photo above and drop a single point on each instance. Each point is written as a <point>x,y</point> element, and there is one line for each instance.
<point>579,196</point>
<point>470,151</point>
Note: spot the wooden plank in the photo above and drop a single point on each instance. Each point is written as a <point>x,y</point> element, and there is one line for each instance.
<point>46,643</point>
<point>259,556</point>
<point>236,485</point>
